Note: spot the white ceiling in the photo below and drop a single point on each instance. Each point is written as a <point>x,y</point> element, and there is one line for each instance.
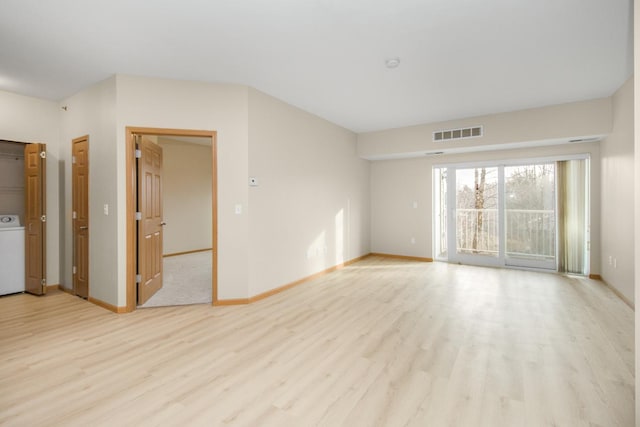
<point>459,58</point>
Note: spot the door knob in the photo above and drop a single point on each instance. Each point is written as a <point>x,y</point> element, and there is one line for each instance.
<point>163,223</point>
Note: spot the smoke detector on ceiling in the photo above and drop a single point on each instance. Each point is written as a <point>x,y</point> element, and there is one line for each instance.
<point>392,62</point>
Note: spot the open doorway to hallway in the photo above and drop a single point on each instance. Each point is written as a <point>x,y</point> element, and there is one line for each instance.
<point>180,166</point>
<point>186,205</point>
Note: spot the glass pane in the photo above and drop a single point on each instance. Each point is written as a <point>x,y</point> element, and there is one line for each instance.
<point>477,211</point>
<point>530,215</point>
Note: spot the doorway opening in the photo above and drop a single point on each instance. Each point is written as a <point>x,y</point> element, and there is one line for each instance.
<point>525,214</point>
<point>146,249</point>
<point>12,210</point>
<point>23,217</point>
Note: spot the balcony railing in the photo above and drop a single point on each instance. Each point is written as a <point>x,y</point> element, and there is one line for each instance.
<point>477,231</point>
<point>529,233</point>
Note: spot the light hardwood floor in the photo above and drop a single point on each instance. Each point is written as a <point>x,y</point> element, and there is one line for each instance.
<point>379,343</point>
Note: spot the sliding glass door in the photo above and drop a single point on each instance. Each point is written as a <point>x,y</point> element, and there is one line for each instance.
<point>497,215</point>
<point>530,215</point>
<point>476,225</point>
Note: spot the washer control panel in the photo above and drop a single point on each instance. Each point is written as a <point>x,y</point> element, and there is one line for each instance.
<point>7,221</point>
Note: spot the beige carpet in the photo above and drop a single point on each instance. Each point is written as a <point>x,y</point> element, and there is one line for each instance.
<point>187,280</point>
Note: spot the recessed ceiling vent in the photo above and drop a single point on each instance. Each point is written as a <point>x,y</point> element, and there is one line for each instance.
<point>461,133</point>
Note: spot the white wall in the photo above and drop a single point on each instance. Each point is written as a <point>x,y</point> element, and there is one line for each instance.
<point>395,186</point>
<point>92,112</point>
<point>186,196</point>
<point>617,188</point>
<point>546,124</point>
<point>162,103</point>
<point>26,119</point>
<point>310,210</point>
<point>312,181</point>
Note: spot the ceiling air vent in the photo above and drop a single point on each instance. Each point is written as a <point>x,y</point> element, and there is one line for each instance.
<point>461,133</point>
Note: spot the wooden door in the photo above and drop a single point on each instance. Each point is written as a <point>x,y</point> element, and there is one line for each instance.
<point>35,218</point>
<point>80,215</point>
<point>150,220</point>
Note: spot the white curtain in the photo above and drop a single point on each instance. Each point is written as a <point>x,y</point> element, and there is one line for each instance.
<point>572,218</point>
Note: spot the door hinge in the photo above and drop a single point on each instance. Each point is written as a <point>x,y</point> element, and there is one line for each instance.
<point>43,218</point>
<point>138,154</point>
<point>73,270</point>
<point>43,282</point>
<point>73,160</point>
<point>138,216</point>
<point>43,154</point>
<point>138,278</point>
<point>74,215</point>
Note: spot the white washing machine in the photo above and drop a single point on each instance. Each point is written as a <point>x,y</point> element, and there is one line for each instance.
<point>11,255</point>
